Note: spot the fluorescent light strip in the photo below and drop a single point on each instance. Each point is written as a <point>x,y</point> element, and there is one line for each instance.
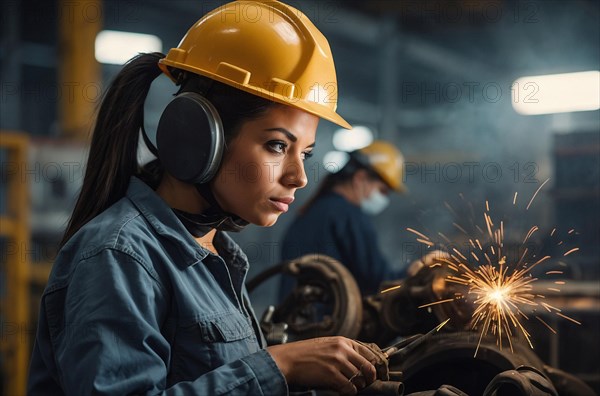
<point>557,93</point>
<point>334,161</point>
<point>358,137</point>
<point>114,47</point>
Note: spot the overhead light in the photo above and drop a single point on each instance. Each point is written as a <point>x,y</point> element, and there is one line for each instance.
<point>354,139</point>
<point>557,93</point>
<point>334,161</point>
<point>114,47</point>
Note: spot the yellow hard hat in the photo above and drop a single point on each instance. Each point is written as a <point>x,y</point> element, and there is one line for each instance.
<point>266,48</point>
<point>387,161</point>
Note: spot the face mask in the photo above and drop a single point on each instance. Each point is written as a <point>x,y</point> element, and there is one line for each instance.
<point>375,203</point>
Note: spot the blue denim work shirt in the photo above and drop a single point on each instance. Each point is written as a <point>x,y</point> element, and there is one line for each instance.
<point>134,305</point>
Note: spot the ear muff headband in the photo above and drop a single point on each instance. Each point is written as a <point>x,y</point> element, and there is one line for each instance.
<point>190,138</point>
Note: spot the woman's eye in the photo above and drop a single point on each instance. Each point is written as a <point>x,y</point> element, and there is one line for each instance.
<point>277,147</point>
<point>306,155</point>
<point>280,147</point>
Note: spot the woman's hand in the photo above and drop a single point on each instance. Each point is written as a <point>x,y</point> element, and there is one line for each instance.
<point>328,362</point>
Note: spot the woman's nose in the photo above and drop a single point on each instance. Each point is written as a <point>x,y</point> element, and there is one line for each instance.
<point>294,174</point>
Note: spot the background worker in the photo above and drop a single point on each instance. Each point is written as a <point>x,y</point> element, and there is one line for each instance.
<point>147,294</point>
<point>336,220</point>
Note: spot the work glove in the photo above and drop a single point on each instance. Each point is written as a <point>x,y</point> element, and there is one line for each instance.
<point>381,363</point>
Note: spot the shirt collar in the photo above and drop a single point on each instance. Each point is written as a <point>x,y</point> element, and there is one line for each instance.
<point>230,251</point>
<point>162,219</point>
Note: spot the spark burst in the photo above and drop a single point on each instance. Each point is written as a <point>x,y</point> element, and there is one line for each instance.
<point>499,292</point>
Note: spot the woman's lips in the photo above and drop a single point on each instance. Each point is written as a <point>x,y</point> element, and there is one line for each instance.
<point>282,204</point>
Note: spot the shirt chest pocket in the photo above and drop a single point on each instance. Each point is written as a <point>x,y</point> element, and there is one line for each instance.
<point>227,327</point>
<point>210,341</point>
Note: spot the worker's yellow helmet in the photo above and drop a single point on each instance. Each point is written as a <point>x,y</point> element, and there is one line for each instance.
<point>387,161</point>
<point>266,48</point>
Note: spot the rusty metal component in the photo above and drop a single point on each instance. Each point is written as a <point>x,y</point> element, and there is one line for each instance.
<point>458,311</point>
<point>399,308</point>
<point>325,302</point>
<point>373,329</point>
<point>525,381</point>
<point>457,358</point>
<point>448,358</point>
<point>567,384</point>
<point>405,310</point>
<point>383,388</point>
<point>275,333</point>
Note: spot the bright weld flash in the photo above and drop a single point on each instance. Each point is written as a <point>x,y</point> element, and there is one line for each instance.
<point>498,295</point>
<point>501,293</point>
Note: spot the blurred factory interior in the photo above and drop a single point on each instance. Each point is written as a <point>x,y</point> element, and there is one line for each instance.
<point>440,79</point>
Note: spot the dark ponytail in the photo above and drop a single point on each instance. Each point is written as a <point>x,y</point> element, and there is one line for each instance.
<point>113,152</point>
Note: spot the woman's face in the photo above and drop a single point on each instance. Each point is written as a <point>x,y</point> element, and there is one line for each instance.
<point>367,184</point>
<point>264,165</point>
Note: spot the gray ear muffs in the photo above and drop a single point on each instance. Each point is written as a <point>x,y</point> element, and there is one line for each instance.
<point>189,138</point>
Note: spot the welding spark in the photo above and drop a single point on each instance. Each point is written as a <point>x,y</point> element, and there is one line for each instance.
<point>435,303</point>
<point>535,194</point>
<point>389,289</point>
<point>499,289</point>
<point>497,299</point>
<point>571,251</point>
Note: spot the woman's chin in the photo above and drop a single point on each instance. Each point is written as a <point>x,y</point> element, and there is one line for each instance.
<point>267,221</point>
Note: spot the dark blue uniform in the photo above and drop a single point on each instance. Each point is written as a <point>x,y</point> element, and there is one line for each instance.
<point>337,228</point>
<point>134,305</point>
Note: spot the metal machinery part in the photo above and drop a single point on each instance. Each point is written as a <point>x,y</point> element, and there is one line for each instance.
<point>399,308</point>
<point>396,312</point>
<point>449,358</point>
<point>326,300</point>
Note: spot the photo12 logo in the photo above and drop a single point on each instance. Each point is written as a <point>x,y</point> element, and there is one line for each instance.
<point>470,172</point>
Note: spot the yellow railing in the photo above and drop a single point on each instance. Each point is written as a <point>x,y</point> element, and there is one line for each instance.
<point>14,229</point>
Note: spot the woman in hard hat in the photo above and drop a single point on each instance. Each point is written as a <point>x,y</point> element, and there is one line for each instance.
<point>147,294</point>
<point>336,221</point>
